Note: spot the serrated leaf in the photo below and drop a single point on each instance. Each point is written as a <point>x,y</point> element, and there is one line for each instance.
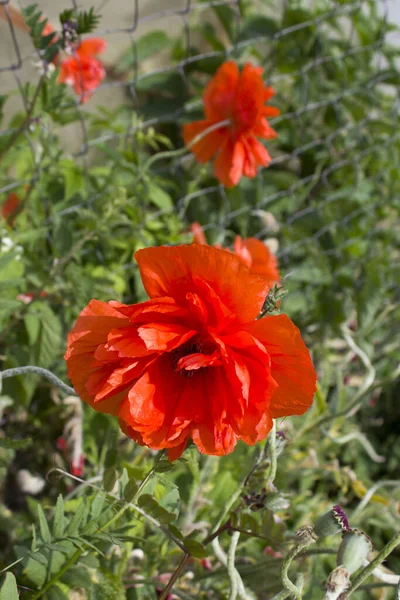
<point>109,479</point>
<point>9,590</point>
<point>43,525</point>
<point>58,522</point>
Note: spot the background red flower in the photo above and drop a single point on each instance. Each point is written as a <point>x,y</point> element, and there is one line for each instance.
<point>237,97</point>
<point>83,71</point>
<point>254,253</point>
<point>193,361</point>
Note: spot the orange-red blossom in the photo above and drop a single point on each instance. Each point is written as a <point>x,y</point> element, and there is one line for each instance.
<point>193,361</point>
<point>237,101</point>
<point>83,71</point>
<point>253,252</point>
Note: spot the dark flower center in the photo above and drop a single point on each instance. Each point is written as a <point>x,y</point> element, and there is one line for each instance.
<point>192,347</point>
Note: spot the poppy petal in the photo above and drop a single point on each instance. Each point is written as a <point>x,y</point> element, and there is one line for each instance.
<point>220,92</point>
<point>291,365</point>
<point>172,271</point>
<point>198,233</point>
<point>91,47</point>
<point>263,261</point>
<point>205,148</point>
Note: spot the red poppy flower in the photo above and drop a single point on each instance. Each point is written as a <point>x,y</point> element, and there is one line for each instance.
<point>193,361</point>
<point>82,70</point>
<point>239,98</point>
<point>10,208</point>
<point>256,255</point>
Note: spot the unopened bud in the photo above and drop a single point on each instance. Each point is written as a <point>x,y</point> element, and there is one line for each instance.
<point>353,550</point>
<point>333,522</point>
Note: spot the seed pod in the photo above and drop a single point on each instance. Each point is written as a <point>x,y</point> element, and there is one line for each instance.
<point>333,522</point>
<point>353,550</point>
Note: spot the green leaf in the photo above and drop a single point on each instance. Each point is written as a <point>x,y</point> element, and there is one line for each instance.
<point>109,479</point>
<point>58,522</point>
<point>159,197</point>
<point>78,576</point>
<point>43,525</point>
<point>74,180</point>
<point>258,27</point>
<point>151,506</point>
<point>87,21</point>
<point>370,297</point>
<point>9,590</point>
<point>48,339</point>
<point>152,43</point>
<point>130,490</point>
<point>14,444</point>
<point>195,548</point>
<point>78,519</point>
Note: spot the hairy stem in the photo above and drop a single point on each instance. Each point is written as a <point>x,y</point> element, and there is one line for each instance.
<point>306,537</point>
<point>38,371</point>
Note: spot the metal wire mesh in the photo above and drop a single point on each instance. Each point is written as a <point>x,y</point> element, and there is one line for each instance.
<point>348,149</point>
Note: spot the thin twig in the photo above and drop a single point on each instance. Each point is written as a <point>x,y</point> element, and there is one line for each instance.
<point>175,576</point>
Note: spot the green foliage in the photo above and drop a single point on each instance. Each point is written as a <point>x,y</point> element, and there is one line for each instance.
<point>330,199</point>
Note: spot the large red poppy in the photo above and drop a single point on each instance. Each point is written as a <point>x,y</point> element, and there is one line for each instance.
<point>240,98</point>
<point>193,361</point>
<point>253,252</point>
<point>83,71</point>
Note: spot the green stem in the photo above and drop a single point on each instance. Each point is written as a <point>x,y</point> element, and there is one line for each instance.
<point>231,565</point>
<point>38,371</point>
<point>272,451</point>
<point>182,151</point>
<point>378,560</point>
<point>302,544</point>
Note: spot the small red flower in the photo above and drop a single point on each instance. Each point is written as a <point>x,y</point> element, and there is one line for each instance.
<point>10,209</point>
<point>240,98</point>
<point>193,362</point>
<point>256,255</point>
<point>83,71</point>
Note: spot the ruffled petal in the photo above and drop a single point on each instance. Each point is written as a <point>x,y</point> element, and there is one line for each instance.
<point>205,148</point>
<point>291,365</point>
<point>228,166</point>
<point>91,47</point>
<point>263,261</point>
<point>220,92</point>
<point>89,362</point>
<point>173,271</point>
<point>164,337</point>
